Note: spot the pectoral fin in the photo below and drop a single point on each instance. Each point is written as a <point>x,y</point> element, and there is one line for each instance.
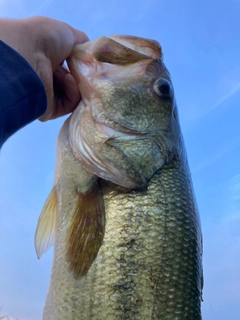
<point>86,231</point>
<point>45,232</point>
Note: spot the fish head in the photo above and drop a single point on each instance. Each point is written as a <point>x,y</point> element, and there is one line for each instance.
<point>124,128</point>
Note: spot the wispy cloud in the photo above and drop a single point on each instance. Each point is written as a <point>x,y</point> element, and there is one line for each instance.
<point>9,8</point>
<point>235,194</point>
<point>210,160</point>
<point>5,316</point>
<point>222,260</point>
<point>42,6</point>
<point>20,8</point>
<point>226,96</point>
<point>230,92</point>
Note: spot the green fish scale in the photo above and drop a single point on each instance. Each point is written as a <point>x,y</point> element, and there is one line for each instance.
<point>148,266</point>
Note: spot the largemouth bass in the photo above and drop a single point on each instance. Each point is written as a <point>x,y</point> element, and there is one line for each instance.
<point>122,213</point>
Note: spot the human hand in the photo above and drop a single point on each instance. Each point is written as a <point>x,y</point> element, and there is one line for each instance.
<point>45,43</point>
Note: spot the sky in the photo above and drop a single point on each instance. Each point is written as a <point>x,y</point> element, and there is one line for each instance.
<point>201,45</point>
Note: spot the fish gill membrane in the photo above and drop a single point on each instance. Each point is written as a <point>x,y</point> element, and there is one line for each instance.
<point>122,214</point>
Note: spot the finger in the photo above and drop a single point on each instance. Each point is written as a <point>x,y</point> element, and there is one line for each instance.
<point>66,93</point>
<point>64,42</point>
<point>72,93</point>
<point>56,39</point>
<point>80,37</point>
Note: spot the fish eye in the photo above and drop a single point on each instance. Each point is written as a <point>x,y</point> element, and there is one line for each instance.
<point>163,88</point>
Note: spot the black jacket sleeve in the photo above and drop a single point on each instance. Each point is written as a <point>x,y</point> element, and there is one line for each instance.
<point>22,94</point>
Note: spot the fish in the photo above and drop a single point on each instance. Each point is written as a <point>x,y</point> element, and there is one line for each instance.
<point>122,213</point>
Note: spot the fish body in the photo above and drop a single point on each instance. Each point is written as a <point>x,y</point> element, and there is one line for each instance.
<point>122,213</point>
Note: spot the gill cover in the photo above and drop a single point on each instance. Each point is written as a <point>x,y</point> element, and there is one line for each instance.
<point>120,117</point>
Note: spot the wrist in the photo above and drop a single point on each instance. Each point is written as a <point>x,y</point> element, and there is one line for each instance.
<point>16,35</point>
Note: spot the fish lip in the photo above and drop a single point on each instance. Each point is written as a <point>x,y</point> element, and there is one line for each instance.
<point>113,125</point>
<point>114,133</point>
<point>123,40</point>
<point>116,126</point>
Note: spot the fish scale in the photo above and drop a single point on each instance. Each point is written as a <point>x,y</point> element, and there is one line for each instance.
<point>149,265</point>
<point>154,240</point>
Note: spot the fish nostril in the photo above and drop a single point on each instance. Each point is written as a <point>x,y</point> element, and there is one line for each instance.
<point>163,88</point>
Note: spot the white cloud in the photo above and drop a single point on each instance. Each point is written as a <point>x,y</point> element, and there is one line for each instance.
<point>23,8</point>
<point>6,316</point>
<point>221,268</point>
<point>40,7</point>
<point>213,157</point>
<point>231,92</point>
<point>222,260</point>
<point>235,194</point>
<point>210,160</point>
<point>10,8</point>
<point>228,93</point>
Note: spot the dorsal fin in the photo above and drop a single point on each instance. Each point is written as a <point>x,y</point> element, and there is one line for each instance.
<point>45,232</point>
<point>86,231</point>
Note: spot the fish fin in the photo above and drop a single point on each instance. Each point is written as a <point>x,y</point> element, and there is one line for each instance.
<point>111,51</point>
<point>86,231</point>
<point>45,232</point>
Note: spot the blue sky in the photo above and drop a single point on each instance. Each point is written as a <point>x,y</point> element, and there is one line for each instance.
<point>201,45</point>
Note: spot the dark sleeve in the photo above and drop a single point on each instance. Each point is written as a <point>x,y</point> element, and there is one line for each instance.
<point>22,94</point>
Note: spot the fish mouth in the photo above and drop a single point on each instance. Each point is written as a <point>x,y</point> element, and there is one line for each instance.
<point>118,49</point>
<point>111,51</point>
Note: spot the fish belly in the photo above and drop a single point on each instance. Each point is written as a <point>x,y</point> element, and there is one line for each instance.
<point>149,265</point>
